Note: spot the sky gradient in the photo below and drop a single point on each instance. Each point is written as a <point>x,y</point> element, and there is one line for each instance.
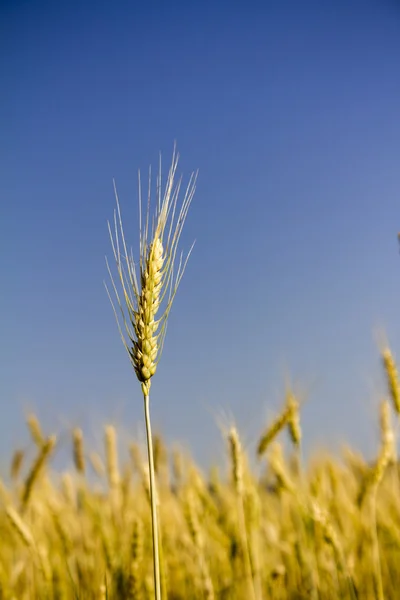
<point>291,114</point>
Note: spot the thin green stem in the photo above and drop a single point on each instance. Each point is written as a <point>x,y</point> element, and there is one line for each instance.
<point>153,497</point>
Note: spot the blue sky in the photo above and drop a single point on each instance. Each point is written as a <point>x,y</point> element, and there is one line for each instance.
<point>290,111</point>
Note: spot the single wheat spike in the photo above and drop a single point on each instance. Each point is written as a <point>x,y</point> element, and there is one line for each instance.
<point>392,377</point>
<point>274,429</point>
<point>112,457</point>
<point>386,455</point>
<point>387,434</point>
<point>145,348</point>
<point>16,464</point>
<point>78,453</point>
<point>144,329</point>
<point>294,419</point>
<point>236,460</point>
<point>44,453</point>
<point>147,300</point>
<point>35,429</point>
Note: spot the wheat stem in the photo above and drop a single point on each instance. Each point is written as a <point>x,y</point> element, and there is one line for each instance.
<point>153,497</point>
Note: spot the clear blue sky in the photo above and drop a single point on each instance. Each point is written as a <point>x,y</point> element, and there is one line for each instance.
<point>290,111</point>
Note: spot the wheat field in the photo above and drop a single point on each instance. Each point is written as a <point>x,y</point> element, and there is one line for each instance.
<point>156,526</point>
<point>283,529</point>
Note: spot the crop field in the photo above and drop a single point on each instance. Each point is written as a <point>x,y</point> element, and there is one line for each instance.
<point>268,526</point>
<point>330,529</point>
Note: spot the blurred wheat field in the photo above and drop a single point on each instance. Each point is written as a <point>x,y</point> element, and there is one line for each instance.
<point>329,529</point>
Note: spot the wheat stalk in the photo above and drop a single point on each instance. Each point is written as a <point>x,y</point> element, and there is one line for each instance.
<point>146,300</point>
<point>236,453</point>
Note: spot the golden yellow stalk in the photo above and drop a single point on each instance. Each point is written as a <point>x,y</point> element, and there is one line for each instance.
<point>143,299</point>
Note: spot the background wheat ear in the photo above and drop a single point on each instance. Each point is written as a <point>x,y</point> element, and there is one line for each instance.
<point>145,299</point>
<point>392,377</point>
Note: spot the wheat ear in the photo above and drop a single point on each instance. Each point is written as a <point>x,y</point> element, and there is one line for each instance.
<point>289,416</point>
<point>236,453</point>
<point>392,377</point>
<point>36,468</point>
<point>146,301</point>
<point>77,449</point>
<point>386,455</point>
